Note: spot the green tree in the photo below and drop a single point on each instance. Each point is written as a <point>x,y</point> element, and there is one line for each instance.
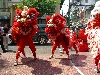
<point>75,16</point>
<point>43,6</point>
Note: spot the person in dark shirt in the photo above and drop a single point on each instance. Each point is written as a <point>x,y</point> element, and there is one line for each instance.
<point>1,38</point>
<point>5,36</point>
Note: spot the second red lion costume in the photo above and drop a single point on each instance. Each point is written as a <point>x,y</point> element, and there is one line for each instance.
<point>23,29</point>
<point>58,33</point>
<point>82,39</point>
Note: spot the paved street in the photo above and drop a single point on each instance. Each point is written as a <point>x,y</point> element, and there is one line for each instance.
<point>59,65</point>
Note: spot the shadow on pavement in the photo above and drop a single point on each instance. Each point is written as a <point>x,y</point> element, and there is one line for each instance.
<point>65,61</point>
<point>3,63</point>
<point>41,67</point>
<point>79,60</point>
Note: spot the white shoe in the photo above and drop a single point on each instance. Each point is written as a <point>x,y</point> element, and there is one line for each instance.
<point>51,57</point>
<point>15,63</point>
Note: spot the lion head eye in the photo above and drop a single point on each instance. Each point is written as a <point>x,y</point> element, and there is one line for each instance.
<point>28,16</point>
<point>18,17</point>
<point>32,15</point>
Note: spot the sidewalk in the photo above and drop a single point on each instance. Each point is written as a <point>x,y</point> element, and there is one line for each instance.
<point>59,65</point>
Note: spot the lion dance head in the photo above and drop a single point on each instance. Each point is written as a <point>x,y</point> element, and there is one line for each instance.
<point>25,22</point>
<point>55,24</point>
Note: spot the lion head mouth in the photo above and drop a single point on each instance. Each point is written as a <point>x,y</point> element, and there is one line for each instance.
<point>25,30</point>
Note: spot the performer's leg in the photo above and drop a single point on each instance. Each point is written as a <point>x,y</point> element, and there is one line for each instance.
<point>17,56</point>
<point>32,47</point>
<point>96,64</point>
<point>96,61</point>
<point>53,50</point>
<point>18,53</point>
<point>23,53</point>
<point>75,47</point>
<point>7,41</point>
<point>70,45</point>
<point>66,49</point>
<point>20,49</point>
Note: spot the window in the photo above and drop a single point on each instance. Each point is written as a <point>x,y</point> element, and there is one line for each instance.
<point>41,21</point>
<point>96,1</point>
<point>86,1</point>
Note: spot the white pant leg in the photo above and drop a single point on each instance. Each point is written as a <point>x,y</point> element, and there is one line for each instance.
<point>5,41</point>
<point>7,37</point>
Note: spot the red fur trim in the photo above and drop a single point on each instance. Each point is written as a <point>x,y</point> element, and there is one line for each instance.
<point>47,18</point>
<point>57,17</point>
<point>33,10</point>
<point>93,23</point>
<point>51,30</point>
<point>59,20</point>
<point>82,35</point>
<point>18,12</point>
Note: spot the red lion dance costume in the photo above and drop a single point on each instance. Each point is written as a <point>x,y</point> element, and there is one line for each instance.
<point>73,41</point>
<point>93,31</point>
<point>82,38</point>
<point>57,32</point>
<point>23,29</point>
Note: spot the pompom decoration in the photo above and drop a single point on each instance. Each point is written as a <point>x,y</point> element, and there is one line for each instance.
<point>18,12</point>
<point>47,18</point>
<point>33,14</point>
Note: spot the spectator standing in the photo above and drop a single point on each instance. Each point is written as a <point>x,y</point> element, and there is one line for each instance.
<point>1,38</point>
<point>5,36</point>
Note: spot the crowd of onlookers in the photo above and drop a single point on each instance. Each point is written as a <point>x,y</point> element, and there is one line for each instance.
<point>4,30</point>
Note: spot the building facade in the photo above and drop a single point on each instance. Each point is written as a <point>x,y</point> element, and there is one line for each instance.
<point>11,4</point>
<point>4,12</point>
<point>87,5</point>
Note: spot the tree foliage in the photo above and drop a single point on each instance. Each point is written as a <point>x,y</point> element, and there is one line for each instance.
<point>43,6</point>
<point>74,15</point>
